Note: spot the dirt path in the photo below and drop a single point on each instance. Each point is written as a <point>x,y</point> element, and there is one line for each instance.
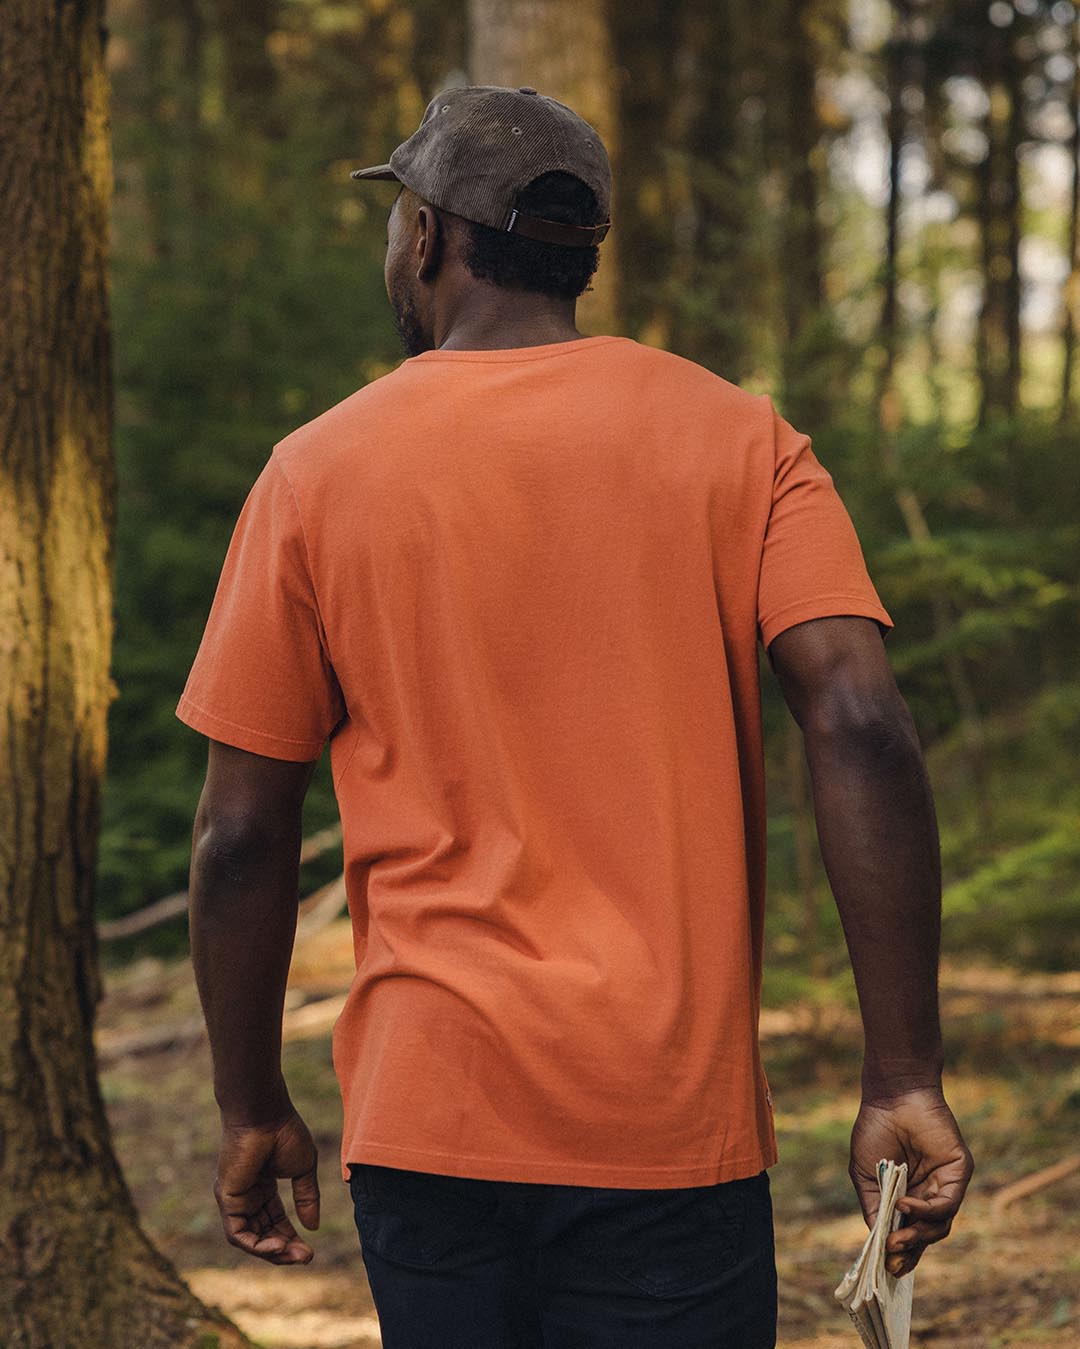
<point>999,1280</point>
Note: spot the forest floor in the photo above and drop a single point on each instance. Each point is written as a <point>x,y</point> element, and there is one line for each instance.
<point>1005,1276</point>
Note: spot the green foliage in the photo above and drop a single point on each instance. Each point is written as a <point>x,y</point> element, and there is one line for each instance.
<point>247,297</point>
<point>1016,896</point>
<point>1024,902</point>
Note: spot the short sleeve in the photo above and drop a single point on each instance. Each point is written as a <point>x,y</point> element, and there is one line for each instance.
<point>262,679</point>
<point>812,564</point>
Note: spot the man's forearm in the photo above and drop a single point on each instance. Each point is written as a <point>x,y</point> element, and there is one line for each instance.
<point>242,915</point>
<point>879,841</point>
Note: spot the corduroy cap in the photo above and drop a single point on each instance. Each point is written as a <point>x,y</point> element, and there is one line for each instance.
<point>478,145</point>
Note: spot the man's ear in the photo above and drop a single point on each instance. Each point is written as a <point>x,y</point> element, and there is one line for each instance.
<point>430,242</point>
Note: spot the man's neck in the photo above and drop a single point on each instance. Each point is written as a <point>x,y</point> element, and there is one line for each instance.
<point>521,321</point>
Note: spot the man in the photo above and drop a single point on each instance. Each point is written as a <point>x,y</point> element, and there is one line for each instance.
<point>519,584</point>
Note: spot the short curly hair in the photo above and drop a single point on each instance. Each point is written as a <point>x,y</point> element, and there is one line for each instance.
<point>517,262</point>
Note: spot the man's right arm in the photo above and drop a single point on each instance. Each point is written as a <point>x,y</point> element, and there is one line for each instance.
<point>878,834</point>
<point>879,842</point>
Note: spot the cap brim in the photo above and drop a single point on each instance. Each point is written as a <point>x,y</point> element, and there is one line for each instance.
<point>377,171</point>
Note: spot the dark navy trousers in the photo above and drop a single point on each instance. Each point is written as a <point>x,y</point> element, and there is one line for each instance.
<point>459,1263</point>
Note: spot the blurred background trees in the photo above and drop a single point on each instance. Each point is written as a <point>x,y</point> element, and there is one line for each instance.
<point>867,209</point>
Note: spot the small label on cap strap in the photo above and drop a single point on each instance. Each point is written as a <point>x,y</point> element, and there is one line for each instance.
<point>555,231</point>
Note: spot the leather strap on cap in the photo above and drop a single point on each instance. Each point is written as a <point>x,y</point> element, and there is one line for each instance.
<point>556,231</point>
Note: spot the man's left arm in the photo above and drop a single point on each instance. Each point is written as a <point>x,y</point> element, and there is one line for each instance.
<point>243,898</point>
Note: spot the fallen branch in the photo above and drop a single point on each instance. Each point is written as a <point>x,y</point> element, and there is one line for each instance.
<point>1038,1180</point>
<point>301,1023</point>
<point>114,1045</point>
<point>142,919</point>
<point>162,910</point>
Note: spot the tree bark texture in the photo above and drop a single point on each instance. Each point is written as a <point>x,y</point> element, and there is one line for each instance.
<point>898,55</point>
<point>712,197</point>
<point>809,398</point>
<point>1072,285</point>
<point>644,41</point>
<point>76,1269</point>
<point>998,205</point>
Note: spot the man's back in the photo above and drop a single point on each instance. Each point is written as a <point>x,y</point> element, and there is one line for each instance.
<point>519,583</point>
<point>522,591</point>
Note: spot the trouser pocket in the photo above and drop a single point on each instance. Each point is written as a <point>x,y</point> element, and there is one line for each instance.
<point>673,1242</point>
<point>414,1217</point>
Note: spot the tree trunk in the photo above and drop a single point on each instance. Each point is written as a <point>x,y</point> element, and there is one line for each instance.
<point>896,59</point>
<point>996,355</point>
<point>175,195</point>
<point>1012,211</point>
<point>561,48</point>
<point>248,74</point>
<point>890,419</point>
<point>644,41</point>
<point>810,394</point>
<point>75,1266</point>
<point>712,199</point>
<point>1072,286</point>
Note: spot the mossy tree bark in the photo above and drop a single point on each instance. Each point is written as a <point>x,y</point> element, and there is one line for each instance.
<point>75,1266</point>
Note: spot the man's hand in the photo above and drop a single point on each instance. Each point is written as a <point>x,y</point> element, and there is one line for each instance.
<point>251,1160</point>
<point>916,1127</point>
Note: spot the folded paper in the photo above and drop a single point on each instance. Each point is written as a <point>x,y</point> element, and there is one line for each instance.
<point>878,1302</point>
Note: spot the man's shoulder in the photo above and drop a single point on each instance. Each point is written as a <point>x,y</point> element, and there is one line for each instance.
<point>353,430</point>
<point>692,376</point>
<point>341,429</point>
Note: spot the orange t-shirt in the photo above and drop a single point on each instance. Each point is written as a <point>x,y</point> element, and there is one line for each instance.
<point>521,592</point>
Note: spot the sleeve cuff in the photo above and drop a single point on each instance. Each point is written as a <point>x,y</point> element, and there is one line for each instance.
<point>823,606</point>
<point>246,737</point>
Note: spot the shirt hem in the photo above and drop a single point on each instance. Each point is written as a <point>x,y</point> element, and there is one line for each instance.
<point>471,1167</point>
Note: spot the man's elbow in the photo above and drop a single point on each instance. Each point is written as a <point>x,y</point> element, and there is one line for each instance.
<point>231,843</point>
<point>876,724</point>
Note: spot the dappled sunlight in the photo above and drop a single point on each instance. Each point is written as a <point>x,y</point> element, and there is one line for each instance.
<point>1003,1276</point>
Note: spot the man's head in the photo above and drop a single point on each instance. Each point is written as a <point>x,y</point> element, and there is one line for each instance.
<point>504,200</point>
<point>438,263</point>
